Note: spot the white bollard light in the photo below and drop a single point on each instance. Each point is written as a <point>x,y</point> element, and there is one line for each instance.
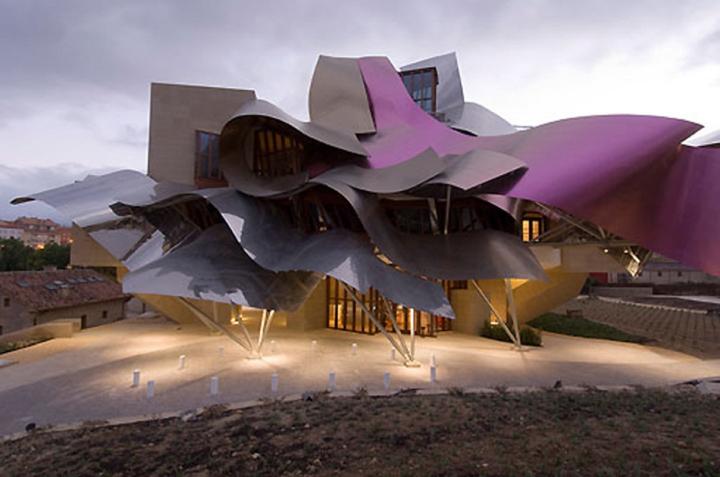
<point>181,362</point>
<point>150,389</point>
<point>221,351</point>
<point>386,381</point>
<point>214,385</point>
<point>273,346</point>
<point>433,361</point>
<point>354,349</point>
<point>313,345</point>
<point>331,381</point>
<point>136,378</point>
<point>433,374</point>
<point>392,354</point>
<point>274,381</point>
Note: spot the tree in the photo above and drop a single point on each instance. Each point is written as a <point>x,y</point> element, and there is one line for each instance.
<point>54,255</point>
<point>15,255</point>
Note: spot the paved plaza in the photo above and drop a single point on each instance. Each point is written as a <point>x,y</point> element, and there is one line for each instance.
<point>88,377</point>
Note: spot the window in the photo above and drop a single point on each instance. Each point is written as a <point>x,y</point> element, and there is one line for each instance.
<point>422,86</point>
<point>6,302</point>
<point>679,274</point>
<point>207,157</point>
<point>104,314</point>
<point>455,285</point>
<point>532,227</point>
<point>277,154</point>
<point>343,313</point>
<point>659,274</point>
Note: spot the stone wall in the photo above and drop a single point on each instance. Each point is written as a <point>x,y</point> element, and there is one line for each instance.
<point>95,314</point>
<point>176,112</point>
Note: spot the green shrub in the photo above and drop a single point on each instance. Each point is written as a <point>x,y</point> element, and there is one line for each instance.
<point>578,326</point>
<point>15,345</point>
<point>528,336</point>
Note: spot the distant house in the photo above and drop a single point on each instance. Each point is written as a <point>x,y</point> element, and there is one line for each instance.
<point>30,298</point>
<point>663,271</point>
<point>35,232</point>
<point>9,230</point>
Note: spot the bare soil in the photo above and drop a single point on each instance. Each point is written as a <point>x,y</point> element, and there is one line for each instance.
<point>642,432</point>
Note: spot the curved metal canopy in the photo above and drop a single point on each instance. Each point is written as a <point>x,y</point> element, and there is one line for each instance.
<point>214,267</point>
<point>277,246</point>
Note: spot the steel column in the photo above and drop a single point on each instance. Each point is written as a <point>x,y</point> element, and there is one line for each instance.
<point>501,320</point>
<point>380,326</point>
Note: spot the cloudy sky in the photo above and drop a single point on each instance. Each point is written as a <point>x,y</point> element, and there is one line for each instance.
<point>75,75</point>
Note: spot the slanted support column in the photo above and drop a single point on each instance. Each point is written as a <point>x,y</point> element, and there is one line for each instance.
<point>265,322</point>
<point>512,310</point>
<point>253,347</point>
<point>409,354</point>
<point>215,325</point>
<point>402,349</point>
<point>514,337</point>
<point>447,210</point>
<point>393,320</point>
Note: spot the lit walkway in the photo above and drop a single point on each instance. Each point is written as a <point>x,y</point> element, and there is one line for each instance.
<point>88,377</point>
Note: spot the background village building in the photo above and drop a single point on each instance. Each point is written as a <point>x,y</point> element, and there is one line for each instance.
<point>32,298</point>
<point>35,232</point>
<point>663,271</point>
<point>9,230</point>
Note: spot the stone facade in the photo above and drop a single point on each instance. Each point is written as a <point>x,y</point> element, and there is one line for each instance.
<point>176,113</point>
<point>16,317</point>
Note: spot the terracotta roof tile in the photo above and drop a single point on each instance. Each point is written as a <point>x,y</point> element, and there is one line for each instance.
<point>43,290</point>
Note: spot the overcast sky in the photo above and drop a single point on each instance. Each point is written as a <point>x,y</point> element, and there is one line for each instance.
<point>75,75</point>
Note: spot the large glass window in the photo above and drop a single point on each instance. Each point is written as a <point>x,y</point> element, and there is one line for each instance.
<point>345,314</point>
<point>277,154</point>
<point>207,157</point>
<point>422,86</point>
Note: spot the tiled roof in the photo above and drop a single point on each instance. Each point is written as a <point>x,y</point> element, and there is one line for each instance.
<point>35,221</point>
<point>9,225</point>
<point>43,290</point>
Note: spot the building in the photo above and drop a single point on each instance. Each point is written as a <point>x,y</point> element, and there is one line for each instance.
<point>9,230</point>
<point>399,208</point>
<point>663,271</point>
<point>35,232</point>
<point>38,297</point>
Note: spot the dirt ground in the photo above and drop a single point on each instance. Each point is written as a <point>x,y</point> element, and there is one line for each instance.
<point>642,432</point>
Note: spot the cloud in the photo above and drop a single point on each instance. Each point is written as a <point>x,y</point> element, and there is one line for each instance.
<point>75,76</point>
<point>134,136</point>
